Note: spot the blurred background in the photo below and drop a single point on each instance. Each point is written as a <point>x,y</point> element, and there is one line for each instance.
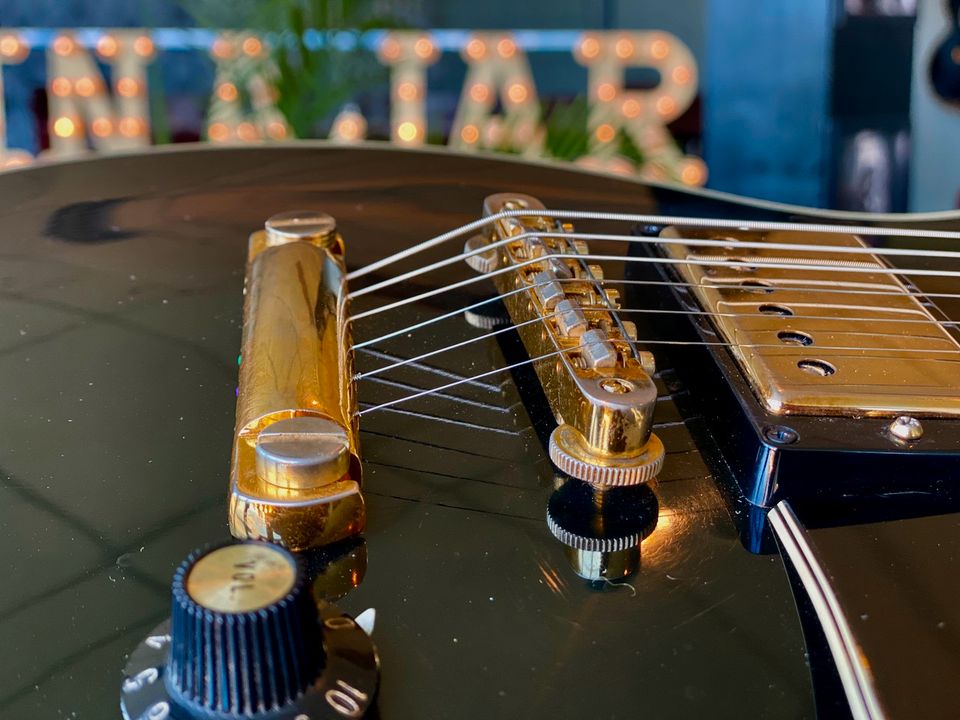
<point>847,104</point>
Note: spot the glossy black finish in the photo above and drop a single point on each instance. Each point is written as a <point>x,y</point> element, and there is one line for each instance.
<point>120,303</point>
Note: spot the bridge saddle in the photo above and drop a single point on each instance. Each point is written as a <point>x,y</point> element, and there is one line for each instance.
<point>598,384</point>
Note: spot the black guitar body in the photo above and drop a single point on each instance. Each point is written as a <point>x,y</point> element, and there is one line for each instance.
<point>121,298</point>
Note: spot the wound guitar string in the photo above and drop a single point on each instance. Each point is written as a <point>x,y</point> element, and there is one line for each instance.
<point>749,262</point>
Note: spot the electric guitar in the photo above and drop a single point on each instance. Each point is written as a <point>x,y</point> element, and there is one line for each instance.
<point>307,431</point>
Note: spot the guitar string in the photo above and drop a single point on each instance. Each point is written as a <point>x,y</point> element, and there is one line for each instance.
<point>548,355</point>
<point>814,263</point>
<point>648,260</point>
<point>702,313</point>
<point>706,223</point>
<point>709,284</point>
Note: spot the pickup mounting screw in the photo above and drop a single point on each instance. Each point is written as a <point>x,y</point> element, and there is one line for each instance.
<point>906,428</point>
<point>781,434</point>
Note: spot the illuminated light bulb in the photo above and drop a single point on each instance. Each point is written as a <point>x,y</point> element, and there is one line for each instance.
<point>494,132</point>
<point>143,46</point>
<point>252,47</point>
<point>659,49</point>
<point>223,48</point>
<point>276,130</point>
<point>127,86</point>
<point>681,75</point>
<point>423,48</point>
<point>107,46</point>
<point>9,46</point>
<point>102,127</point>
<point>606,92</point>
<point>506,48</point>
<point>227,91</point>
<point>13,161</point>
<point>476,48</point>
<point>348,129</point>
<point>64,127</point>
<point>955,55</point>
<point>524,132</point>
<point>407,131</point>
<point>666,105</point>
<point>64,45</point>
<point>590,47</point>
<point>517,93</point>
<point>631,108</point>
<point>13,47</point>
<point>218,132</point>
<point>61,86</point>
<point>693,173</point>
<point>407,91</point>
<point>390,49</point>
<point>479,92</point>
<point>654,171</point>
<point>130,126</point>
<point>470,134</point>
<point>605,133</point>
<point>620,166</point>
<point>85,86</point>
<point>247,132</point>
<point>624,48</point>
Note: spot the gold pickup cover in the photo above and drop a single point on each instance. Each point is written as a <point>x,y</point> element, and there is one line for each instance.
<point>824,347</point>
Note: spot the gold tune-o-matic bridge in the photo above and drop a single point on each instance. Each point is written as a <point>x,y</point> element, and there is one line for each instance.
<point>295,475</point>
<point>598,385</point>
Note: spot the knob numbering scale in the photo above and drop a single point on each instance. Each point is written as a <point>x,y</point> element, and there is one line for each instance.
<point>247,639</point>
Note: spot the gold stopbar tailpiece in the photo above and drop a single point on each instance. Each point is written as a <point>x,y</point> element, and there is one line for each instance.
<point>782,338</point>
<point>600,389</point>
<point>295,474</point>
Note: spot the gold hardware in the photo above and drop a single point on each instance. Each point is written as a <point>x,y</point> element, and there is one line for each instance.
<point>600,392</point>
<point>788,361</point>
<point>295,475</point>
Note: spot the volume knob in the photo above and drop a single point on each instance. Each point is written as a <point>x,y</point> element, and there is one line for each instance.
<point>244,637</point>
<point>249,640</point>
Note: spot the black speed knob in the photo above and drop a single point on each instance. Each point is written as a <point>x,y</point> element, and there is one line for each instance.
<point>248,639</point>
<point>244,637</point>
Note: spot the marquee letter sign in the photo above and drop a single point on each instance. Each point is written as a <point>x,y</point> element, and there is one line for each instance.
<point>498,107</point>
<point>81,107</point>
<point>13,51</point>
<point>409,55</point>
<point>496,67</point>
<point>643,114</point>
<point>244,68</point>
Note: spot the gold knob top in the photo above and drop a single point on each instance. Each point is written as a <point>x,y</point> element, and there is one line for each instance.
<point>241,578</point>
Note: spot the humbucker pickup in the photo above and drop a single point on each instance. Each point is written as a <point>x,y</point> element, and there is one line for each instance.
<point>862,344</point>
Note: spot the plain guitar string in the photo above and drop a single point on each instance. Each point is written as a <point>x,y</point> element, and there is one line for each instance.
<point>649,260</point>
<point>729,244</point>
<point>669,283</point>
<point>706,223</point>
<point>634,343</point>
<point>658,311</point>
<point>737,262</point>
